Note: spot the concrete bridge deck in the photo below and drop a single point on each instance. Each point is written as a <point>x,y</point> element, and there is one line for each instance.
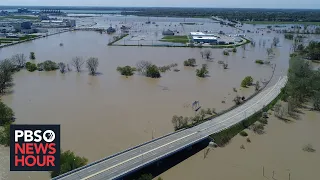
<point>116,166</point>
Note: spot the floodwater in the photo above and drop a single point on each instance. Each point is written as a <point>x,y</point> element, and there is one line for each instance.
<point>105,114</point>
<point>279,151</point>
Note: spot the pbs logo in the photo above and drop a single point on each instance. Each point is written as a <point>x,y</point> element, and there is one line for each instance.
<point>35,136</point>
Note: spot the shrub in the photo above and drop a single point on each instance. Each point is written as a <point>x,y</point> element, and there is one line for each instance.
<point>288,36</point>
<point>32,56</point>
<point>258,128</point>
<point>247,81</point>
<point>31,66</point>
<point>258,61</point>
<point>263,121</point>
<point>242,147</point>
<point>48,66</point>
<point>190,62</point>
<point>243,133</point>
<point>226,53</point>
<point>153,71</point>
<point>308,148</point>
<point>234,50</point>
<point>248,140</point>
<point>126,70</point>
<point>203,72</point>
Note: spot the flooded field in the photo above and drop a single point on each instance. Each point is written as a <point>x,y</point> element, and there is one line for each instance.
<point>104,114</point>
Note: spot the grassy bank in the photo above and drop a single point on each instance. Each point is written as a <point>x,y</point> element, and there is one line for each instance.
<point>225,136</point>
<point>280,22</point>
<point>19,17</point>
<point>175,39</point>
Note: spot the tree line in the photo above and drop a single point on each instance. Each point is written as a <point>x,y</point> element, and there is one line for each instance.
<point>234,14</point>
<point>303,80</point>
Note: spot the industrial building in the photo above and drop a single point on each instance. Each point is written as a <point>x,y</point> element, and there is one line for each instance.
<point>206,39</point>
<point>213,39</point>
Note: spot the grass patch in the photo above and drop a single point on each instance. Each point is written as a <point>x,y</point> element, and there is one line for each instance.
<point>27,37</point>
<point>175,39</point>
<point>281,22</point>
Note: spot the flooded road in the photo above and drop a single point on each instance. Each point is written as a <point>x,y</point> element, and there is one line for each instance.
<point>104,114</point>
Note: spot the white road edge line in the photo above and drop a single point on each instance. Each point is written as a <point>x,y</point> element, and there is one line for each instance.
<point>92,175</point>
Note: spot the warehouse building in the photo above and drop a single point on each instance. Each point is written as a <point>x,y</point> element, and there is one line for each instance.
<point>206,39</point>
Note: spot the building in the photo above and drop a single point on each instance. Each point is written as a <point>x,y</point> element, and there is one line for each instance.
<point>201,34</point>
<point>168,33</point>
<point>6,28</point>
<point>70,23</point>
<point>26,25</point>
<point>205,39</point>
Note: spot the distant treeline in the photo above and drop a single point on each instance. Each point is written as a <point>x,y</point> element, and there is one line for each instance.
<point>236,14</point>
<point>231,14</point>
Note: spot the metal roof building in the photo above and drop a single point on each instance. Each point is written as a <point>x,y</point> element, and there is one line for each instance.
<point>201,34</point>
<point>205,39</point>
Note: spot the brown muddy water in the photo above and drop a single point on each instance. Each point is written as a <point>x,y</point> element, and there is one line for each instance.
<point>278,151</point>
<point>108,113</point>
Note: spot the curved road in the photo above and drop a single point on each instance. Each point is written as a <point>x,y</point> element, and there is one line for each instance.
<point>116,166</point>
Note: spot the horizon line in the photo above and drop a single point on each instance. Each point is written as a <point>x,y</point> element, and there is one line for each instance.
<point>157,7</point>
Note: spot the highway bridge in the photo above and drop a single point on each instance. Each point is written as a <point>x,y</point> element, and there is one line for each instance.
<point>119,165</point>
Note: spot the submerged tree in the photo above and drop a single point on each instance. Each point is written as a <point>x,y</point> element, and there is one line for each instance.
<point>275,41</point>
<point>126,70</point>
<point>142,66</point>
<point>32,56</point>
<point>77,62</point>
<point>62,67</point>
<point>203,72</point>
<point>207,54</point>
<point>6,72</point>
<point>19,60</point>
<point>92,65</point>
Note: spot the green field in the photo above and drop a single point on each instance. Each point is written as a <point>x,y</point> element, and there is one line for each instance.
<point>175,39</point>
<point>280,22</point>
<point>19,17</point>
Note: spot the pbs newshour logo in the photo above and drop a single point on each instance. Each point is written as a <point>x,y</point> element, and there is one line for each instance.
<point>35,147</point>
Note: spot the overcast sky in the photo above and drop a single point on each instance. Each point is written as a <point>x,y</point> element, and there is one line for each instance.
<point>312,4</point>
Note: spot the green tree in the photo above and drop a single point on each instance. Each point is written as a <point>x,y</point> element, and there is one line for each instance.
<point>32,56</point>
<point>31,66</point>
<point>126,70</point>
<point>203,72</point>
<point>5,134</point>
<point>68,162</point>
<point>6,114</point>
<point>190,62</point>
<point>6,71</point>
<point>153,71</point>
<point>247,81</point>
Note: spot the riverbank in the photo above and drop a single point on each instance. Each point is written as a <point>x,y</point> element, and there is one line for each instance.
<point>278,150</point>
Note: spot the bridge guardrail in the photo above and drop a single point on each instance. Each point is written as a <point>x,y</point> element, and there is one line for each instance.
<point>101,160</point>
